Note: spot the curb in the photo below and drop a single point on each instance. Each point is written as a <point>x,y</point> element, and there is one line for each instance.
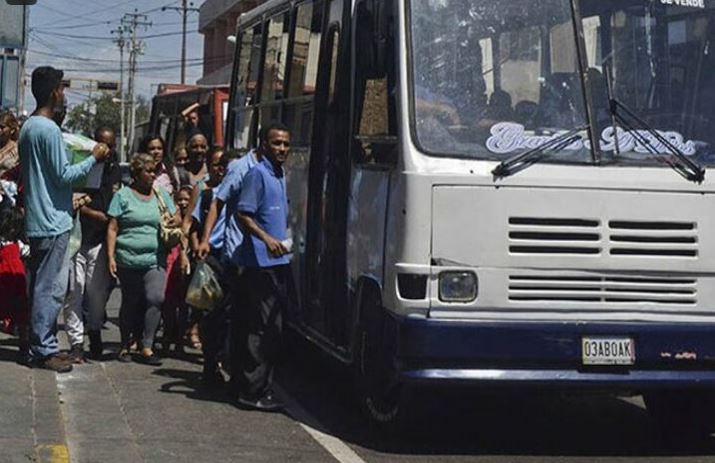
<point>50,439</point>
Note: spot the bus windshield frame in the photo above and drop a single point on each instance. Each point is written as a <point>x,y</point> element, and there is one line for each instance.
<point>491,80</point>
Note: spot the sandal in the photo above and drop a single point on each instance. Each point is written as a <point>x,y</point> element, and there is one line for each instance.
<point>148,357</point>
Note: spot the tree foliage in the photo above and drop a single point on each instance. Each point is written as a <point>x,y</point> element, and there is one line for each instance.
<point>103,110</point>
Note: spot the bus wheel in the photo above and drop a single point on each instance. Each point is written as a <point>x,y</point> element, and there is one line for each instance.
<point>381,394</point>
<point>682,415</point>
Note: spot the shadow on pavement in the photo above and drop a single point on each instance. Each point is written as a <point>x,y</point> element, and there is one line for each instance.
<point>189,384</point>
<point>10,350</point>
<point>459,421</point>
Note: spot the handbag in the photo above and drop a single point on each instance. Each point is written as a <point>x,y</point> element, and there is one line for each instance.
<point>169,235</point>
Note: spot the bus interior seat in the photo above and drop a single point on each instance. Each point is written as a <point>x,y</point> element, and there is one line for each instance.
<point>559,93</point>
<point>526,113</point>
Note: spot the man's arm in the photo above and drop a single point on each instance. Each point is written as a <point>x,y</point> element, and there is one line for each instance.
<point>94,214</point>
<point>274,246</point>
<point>62,170</point>
<point>203,248</point>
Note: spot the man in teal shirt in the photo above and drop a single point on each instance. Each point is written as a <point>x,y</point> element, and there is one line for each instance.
<point>47,178</point>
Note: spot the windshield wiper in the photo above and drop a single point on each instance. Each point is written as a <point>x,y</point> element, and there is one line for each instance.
<point>528,158</point>
<point>676,159</point>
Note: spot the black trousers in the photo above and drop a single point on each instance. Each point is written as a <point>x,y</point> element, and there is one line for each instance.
<point>257,328</point>
<point>213,327</point>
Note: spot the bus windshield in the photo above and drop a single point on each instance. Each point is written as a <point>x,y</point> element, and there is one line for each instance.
<point>657,59</point>
<point>492,79</point>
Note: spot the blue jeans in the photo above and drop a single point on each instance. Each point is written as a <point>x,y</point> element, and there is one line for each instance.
<point>49,276</point>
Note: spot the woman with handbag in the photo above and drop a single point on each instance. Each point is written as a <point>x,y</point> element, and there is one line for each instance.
<point>144,224</point>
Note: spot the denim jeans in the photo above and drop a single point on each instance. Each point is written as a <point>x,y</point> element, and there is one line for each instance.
<point>49,276</point>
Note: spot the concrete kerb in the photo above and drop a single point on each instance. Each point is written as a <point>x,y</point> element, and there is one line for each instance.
<point>48,424</point>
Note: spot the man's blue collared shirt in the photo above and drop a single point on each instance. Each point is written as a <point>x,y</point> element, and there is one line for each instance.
<point>219,231</point>
<point>229,193</point>
<point>263,197</point>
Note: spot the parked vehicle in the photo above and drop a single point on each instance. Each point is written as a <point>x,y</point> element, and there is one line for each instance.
<point>498,193</point>
<point>173,99</point>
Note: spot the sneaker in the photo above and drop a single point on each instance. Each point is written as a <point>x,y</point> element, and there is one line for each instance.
<point>76,354</point>
<point>55,363</point>
<point>266,403</point>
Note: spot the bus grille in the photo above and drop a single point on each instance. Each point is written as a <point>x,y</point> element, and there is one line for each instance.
<point>589,237</point>
<point>623,289</point>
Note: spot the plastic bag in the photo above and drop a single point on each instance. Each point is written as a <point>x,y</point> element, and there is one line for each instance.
<point>75,236</point>
<point>204,291</point>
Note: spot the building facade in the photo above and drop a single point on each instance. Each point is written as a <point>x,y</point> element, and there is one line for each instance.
<point>217,22</point>
<point>13,38</point>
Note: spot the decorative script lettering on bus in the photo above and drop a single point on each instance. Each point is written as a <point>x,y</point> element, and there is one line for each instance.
<point>508,137</point>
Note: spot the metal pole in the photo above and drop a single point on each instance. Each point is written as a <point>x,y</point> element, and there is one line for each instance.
<point>132,108</point>
<point>184,14</point>
<point>134,51</point>
<point>184,10</point>
<point>122,130</point>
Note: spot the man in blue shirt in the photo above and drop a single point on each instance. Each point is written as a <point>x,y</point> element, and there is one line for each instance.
<point>47,178</point>
<point>264,256</point>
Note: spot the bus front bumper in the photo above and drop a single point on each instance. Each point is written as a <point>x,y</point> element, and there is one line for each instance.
<point>548,355</point>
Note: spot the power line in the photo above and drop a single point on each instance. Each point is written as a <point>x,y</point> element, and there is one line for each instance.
<point>92,13</point>
<point>113,61</point>
<point>97,37</point>
<point>51,29</point>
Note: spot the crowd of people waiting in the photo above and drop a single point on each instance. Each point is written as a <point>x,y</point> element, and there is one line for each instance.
<point>206,208</point>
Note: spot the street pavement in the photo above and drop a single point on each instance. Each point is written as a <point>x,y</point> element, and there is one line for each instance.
<point>114,412</point>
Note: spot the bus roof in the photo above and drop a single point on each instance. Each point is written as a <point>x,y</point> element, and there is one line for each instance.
<point>260,10</point>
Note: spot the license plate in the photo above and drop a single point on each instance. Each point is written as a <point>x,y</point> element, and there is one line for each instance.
<point>607,350</point>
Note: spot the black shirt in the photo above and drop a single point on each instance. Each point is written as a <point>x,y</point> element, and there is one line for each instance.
<point>93,231</point>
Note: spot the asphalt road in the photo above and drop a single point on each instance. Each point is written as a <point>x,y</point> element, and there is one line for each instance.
<point>130,412</point>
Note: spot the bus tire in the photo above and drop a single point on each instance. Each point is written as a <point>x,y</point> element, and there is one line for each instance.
<point>381,395</point>
<point>682,414</point>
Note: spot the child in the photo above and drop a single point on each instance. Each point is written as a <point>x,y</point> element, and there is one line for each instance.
<point>14,304</point>
<point>174,310</point>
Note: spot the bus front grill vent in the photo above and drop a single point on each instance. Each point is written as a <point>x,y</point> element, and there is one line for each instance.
<point>653,239</point>
<point>545,235</point>
<point>605,290</point>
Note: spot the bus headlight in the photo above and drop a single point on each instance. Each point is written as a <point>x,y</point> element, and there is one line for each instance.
<point>457,286</point>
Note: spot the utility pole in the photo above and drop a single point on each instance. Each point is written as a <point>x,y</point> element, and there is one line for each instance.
<point>184,9</point>
<point>123,131</point>
<point>133,21</point>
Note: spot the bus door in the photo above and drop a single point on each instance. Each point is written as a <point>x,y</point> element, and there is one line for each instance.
<point>325,299</point>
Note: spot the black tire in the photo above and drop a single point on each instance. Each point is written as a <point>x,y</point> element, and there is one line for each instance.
<point>383,398</point>
<point>682,415</point>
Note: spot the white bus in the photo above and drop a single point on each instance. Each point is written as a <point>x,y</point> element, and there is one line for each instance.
<point>497,193</point>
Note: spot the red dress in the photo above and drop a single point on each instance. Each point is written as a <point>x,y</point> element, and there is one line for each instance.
<point>14,306</point>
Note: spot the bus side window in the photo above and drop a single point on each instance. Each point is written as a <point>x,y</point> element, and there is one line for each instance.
<point>376,131</point>
<point>304,71</point>
<point>248,73</point>
<point>275,61</point>
<point>244,60</point>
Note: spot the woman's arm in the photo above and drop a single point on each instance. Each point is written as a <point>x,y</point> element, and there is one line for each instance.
<point>112,230</point>
<point>188,220</point>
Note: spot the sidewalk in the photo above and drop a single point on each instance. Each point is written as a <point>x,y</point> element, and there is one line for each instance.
<point>30,422</point>
<point>115,412</point>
